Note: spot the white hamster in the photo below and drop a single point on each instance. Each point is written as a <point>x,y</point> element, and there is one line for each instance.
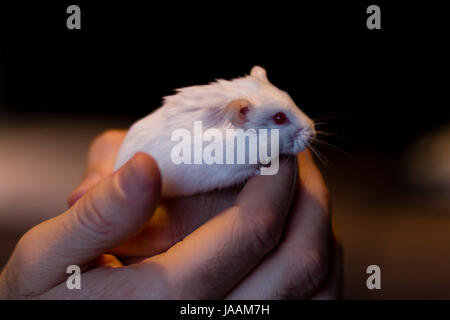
<point>249,102</point>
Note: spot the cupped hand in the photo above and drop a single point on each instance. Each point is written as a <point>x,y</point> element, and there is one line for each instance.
<point>131,244</point>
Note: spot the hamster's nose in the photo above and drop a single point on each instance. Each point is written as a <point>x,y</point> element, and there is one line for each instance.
<point>306,132</point>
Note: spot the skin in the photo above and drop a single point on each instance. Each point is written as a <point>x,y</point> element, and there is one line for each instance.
<point>271,239</point>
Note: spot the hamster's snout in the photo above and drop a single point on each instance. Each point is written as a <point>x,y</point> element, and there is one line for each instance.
<point>303,138</point>
<point>306,133</point>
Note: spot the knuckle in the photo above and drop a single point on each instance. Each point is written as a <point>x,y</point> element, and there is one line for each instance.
<point>92,219</point>
<point>304,273</point>
<point>265,232</point>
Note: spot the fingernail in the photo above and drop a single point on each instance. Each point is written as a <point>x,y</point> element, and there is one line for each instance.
<point>138,175</point>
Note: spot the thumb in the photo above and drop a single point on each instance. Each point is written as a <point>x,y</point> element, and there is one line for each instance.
<point>111,212</point>
<point>118,207</point>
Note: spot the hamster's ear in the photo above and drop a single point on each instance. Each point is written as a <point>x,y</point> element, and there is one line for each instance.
<point>236,111</point>
<point>259,73</point>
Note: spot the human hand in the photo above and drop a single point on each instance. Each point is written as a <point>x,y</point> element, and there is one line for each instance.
<point>207,264</point>
<point>173,219</point>
<point>307,262</point>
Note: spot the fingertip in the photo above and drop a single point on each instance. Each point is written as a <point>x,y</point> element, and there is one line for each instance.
<point>141,174</point>
<point>149,169</point>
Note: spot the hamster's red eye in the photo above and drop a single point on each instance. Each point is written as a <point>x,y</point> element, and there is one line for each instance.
<point>244,110</point>
<point>279,118</point>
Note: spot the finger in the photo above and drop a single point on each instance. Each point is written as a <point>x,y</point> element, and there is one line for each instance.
<point>110,213</point>
<point>100,161</point>
<point>212,259</point>
<point>105,260</point>
<point>312,180</point>
<point>300,263</point>
<point>172,221</point>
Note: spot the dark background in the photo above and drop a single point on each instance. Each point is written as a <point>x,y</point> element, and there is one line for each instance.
<point>374,85</point>
<point>379,91</point>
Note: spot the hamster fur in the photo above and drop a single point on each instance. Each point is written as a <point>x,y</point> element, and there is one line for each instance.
<point>246,102</point>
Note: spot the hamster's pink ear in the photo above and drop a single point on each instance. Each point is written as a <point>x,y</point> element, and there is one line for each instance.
<point>236,111</point>
<point>259,73</point>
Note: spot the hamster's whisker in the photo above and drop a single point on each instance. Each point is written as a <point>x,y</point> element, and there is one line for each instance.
<point>320,124</point>
<point>319,155</point>
<point>327,144</point>
<point>332,134</point>
<point>324,133</point>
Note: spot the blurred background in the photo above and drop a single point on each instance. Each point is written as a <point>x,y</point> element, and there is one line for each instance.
<point>381,96</point>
